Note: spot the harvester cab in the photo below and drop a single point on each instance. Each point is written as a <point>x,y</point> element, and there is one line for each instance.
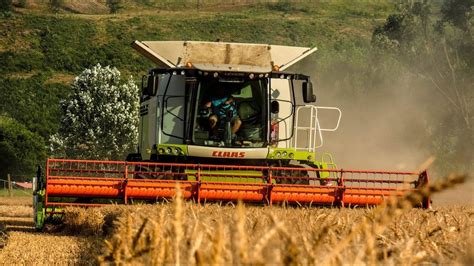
<point>222,122</point>
<point>228,103</point>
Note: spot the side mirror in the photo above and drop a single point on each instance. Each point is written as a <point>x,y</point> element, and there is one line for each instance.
<point>308,95</point>
<point>150,85</point>
<point>148,89</point>
<point>275,107</point>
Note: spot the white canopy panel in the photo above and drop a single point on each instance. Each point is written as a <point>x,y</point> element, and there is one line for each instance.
<point>221,56</point>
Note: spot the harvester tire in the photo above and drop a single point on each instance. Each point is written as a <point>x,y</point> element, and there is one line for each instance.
<point>143,169</point>
<point>152,169</point>
<point>293,181</point>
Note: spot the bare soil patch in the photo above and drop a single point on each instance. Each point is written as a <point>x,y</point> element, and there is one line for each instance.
<point>21,244</point>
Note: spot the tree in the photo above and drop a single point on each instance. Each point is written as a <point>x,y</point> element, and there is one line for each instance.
<point>21,150</point>
<point>439,53</point>
<point>100,117</point>
<point>458,12</point>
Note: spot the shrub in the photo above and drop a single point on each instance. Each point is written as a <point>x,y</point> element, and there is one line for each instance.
<point>5,5</point>
<point>100,117</point>
<point>56,5</point>
<point>21,150</point>
<point>22,3</point>
<point>114,5</point>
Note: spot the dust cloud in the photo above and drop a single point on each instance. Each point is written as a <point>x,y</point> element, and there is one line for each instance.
<point>383,128</point>
<point>385,125</point>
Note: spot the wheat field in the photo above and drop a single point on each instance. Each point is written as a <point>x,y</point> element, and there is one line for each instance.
<point>180,232</point>
<point>185,233</point>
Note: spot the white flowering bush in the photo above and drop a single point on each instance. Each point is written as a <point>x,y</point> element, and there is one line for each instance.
<point>100,117</point>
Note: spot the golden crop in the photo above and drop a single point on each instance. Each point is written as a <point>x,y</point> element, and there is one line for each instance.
<point>216,234</point>
<point>187,233</point>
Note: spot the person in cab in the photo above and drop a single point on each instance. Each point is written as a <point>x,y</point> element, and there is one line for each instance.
<point>222,106</point>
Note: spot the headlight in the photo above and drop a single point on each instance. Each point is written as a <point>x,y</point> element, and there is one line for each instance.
<point>284,154</point>
<point>177,151</point>
<point>278,154</point>
<point>292,155</point>
<point>168,150</point>
<point>161,150</point>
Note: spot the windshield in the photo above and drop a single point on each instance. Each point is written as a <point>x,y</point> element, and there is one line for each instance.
<point>231,114</point>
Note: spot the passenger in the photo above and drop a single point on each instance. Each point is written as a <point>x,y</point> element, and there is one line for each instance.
<point>221,104</point>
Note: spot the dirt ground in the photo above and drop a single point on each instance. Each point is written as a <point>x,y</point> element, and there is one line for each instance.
<point>26,246</point>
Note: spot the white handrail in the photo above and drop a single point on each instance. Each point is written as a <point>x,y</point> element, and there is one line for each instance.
<point>314,129</point>
<point>338,119</point>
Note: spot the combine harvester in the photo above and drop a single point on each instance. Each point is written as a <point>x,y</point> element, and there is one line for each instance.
<point>271,158</point>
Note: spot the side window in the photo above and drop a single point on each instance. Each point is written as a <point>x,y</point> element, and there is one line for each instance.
<point>173,118</point>
<point>244,93</point>
<point>281,93</point>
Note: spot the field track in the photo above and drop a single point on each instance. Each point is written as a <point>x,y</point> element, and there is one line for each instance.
<point>26,246</point>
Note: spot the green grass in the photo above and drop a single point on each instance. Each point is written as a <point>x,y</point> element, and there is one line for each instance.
<point>15,192</point>
<point>41,51</point>
<point>37,42</point>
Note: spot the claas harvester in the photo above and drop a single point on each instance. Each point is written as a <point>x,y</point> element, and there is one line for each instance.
<point>271,157</point>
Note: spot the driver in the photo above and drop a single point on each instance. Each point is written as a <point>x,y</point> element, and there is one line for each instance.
<point>221,104</point>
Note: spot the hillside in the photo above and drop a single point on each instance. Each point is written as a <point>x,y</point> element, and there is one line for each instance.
<point>42,50</point>
<point>395,95</point>
<point>34,40</point>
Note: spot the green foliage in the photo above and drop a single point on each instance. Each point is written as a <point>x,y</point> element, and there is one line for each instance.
<point>286,6</point>
<point>16,192</point>
<point>5,5</point>
<point>53,48</point>
<point>114,5</point>
<point>33,102</point>
<point>61,49</point>
<point>458,12</point>
<point>22,3</point>
<point>21,150</point>
<point>440,54</point>
<point>25,61</point>
<point>100,116</point>
<point>71,44</point>
<point>404,32</point>
<point>56,5</point>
